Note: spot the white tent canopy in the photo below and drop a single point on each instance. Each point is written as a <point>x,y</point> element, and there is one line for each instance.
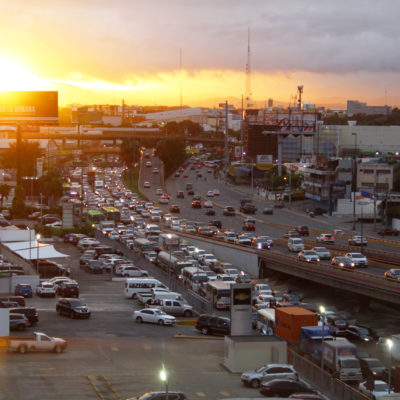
<point>34,250</point>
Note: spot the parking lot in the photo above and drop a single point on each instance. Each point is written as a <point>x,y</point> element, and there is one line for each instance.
<point>111,357</point>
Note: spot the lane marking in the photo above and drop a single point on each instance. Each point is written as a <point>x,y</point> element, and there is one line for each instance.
<point>200,394</point>
<point>226,394</point>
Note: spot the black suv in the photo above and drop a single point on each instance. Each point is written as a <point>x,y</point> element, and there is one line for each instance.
<point>303,230</point>
<point>29,312</point>
<point>229,211</point>
<point>68,289</point>
<point>73,308</point>
<point>248,208</point>
<point>213,325</point>
<point>215,222</point>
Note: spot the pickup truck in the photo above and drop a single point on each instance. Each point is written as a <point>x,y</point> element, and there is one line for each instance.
<point>172,307</point>
<point>144,297</point>
<point>38,342</point>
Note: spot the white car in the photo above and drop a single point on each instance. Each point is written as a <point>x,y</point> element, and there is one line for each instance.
<point>133,271</point>
<point>151,256</point>
<point>163,200</point>
<point>216,192</point>
<point>323,253</point>
<point>233,272</point>
<point>381,389</point>
<point>208,204</point>
<point>159,192</point>
<point>154,316</point>
<point>57,224</point>
<point>147,184</point>
<point>207,259</point>
<point>46,289</point>
<point>308,256</point>
<point>114,235</point>
<point>262,288</point>
<point>59,279</point>
<point>210,193</point>
<point>226,279</point>
<point>358,259</point>
<point>155,171</point>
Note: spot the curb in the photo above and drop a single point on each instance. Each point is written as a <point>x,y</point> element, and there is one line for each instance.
<point>180,336</point>
<point>191,322</point>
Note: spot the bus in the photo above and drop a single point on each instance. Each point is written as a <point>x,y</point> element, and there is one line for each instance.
<point>168,262</point>
<point>111,213</point>
<point>93,216</point>
<point>219,294</point>
<point>134,286</point>
<point>194,278</point>
<point>266,321</point>
<point>142,245</point>
<point>169,241</point>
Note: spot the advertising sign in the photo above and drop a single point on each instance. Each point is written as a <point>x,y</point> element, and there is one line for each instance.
<point>241,309</point>
<point>29,107</point>
<point>338,190</point>
<point>264,161</point>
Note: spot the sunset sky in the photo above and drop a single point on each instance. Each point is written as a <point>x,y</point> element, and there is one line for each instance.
<point>100,52</point>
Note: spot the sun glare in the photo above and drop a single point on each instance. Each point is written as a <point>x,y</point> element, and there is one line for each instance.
<point>15,76</point>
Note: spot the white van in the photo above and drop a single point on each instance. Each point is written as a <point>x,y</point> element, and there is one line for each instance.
<point>161,295</point>
<point>295,244</point>
<point>133,286</point>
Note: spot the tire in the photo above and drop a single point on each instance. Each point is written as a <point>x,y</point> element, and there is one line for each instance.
<point>58,311</point>
<point>160,322</point>
<point>58,349</point>
<point>204,331</point>
<point>255,383</point>
<point>20,327</point>
<point>22,349</point>
<point>187,313</point>
<point>139,320</point>
<point>72,314</point>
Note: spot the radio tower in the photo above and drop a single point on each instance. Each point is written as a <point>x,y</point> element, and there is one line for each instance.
<point>248,73</point>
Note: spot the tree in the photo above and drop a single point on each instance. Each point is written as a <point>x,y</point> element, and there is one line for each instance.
<point>51,186</point>
<point>171,151</point>
<point>129,152</point>
<point>29,152</point>
<point>18,209</point>
<point>4,192</point>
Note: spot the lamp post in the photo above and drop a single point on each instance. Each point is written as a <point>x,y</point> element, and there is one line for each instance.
<point>252,166</point>
<point>362,204</point>
<point>322,311</point>
<point>354,179</point>
<point>389,343</point>
<point>37,253</point>
<point>164,378</point>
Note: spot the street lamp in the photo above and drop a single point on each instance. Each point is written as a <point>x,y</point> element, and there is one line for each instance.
<point>37,253</point>
<point>252,166</point>
<point>362,204</point>
<point>354,179</point>
<point>322,312</point>
<point>164,378</point>
<point>389,343</point>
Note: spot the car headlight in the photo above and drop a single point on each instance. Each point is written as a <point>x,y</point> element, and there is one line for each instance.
<point>366,339</point>
<point>318,259</point>
<point>259,245</point>
<point>352,264</point>
<point>341,264</point>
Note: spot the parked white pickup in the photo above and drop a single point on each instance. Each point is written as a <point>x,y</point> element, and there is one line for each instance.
<point>38,342</point>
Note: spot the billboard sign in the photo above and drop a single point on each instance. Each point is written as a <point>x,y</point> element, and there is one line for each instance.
<point>264,161</point>
<point>241,310</point>
<point>29,107</point>
<point>338,190</point>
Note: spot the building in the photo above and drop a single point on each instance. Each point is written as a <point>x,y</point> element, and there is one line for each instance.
<point>356,107</point>
<point>376,177</point>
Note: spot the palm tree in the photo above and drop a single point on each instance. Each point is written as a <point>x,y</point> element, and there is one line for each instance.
<point>4,192</point>
<point>51,186</point>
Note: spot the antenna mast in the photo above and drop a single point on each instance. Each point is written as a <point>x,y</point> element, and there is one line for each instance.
<point>248,72</point>
<point>180,76</point>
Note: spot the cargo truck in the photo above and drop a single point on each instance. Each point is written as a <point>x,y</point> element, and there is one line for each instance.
<point>340,359</point>
<point>311,341</point>
<point>290,320</point>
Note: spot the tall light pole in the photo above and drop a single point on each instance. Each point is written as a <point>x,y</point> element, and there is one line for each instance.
<point>37,253</point>
<point>164,378</point>
<point>389,343</point>
<point>354,179</point>
<point>252,178</point>
<point>362,204</point>
<point>322,311</point>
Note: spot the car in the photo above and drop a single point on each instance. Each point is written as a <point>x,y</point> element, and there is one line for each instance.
<point>373,367</point>
<point>151,256</point>
<point>170,395</point>
<point>155,171</point>
<point>290,234</point>
<point>58,279</point>
<point>180,194</point>
<point>357,241</point>
<point>163,199</point>
<point>268,372</point>
<point>306,396</point>
<point>208,204</point>
<point>249,225</point>
<point>186,176</point>
<point>284,388</point>
<point>68,289</point>
<point>303,230</point>
<point>279,204</point>
<point>56,224</point>
<point>177,174</point>
<point>243,278</point>
<point>386,232</point>
<point>132,271</point>
<point>325,238</point>
<point>73,308</point>
<point>229,211</point>
<point>268,211</point>
<point>49,218</point>
<point>149,164</point>
<point>337,324</point>
<point>380,389</point>
<point>147,185</point>
<point>262,242</point>
<point>154,316</point>
<point>159,192</point>
<point>210,193</point>
<point>361,334</point>
<point>23,289</point>
<point>190,192</point>
<point>196,204</point>
<point>247,208</point>
<point>215,222</point>
<point>358,259</point>
<point>45,288</point>
<point>209,211</point>
<point>308,256</point>
<point>216,192</point>
<point>175,208</point>
<point>323,253</point>
<point>393,273</point>
<point>343,262</point>
<point>18,322</point>
<point>29,312</point>
<point>213,325</point>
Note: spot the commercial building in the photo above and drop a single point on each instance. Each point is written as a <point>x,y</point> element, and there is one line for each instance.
<point>355,107</point>
<point>376,177</point>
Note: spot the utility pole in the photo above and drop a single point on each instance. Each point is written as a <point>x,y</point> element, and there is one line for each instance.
<point>354,180</point>
<point>226,140</point>
<point>241,133</point>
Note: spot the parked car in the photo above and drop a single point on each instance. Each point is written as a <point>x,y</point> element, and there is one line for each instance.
<point>154,316</point>
<point>284,388</point>
<point>358,259</point>
<point>308,256</point>
<point>213,325</point>
<point>161,396</point>
<point>229,211</point>
<point>68,289</point>
<point>45,289</point>
<point>29,312</point>
<point>73,308</point>
<point>23,289</point>
<point>380,389</point>
<point>20,300</point>
<point>268,372</point>
<point>18,322</point>
<point>357,241</point>
<point>268,211</point>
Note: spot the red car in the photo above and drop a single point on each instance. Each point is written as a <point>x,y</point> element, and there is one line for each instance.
<point>186,176</point>
<point>388,232</point>
<point>175,209</point>
<point>249,226</point>
<point>196,204</point>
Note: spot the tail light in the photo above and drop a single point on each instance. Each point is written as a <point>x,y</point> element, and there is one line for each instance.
<point>266,387</point>
<point>197,322</point>
<point>296,374</point>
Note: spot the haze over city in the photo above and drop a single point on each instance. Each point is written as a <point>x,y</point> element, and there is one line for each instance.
<point>102,52</point>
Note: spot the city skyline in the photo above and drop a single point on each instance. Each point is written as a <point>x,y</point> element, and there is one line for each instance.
<point>97,53</point>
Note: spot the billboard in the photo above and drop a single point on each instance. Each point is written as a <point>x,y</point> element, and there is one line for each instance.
<point>338,191</point>
<point>29,107</point>
<point>264,161</point>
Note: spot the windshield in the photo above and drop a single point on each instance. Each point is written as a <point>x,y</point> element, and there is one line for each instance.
<point>381,387</point>
<point>357,255</point>
<point>350,363</point>
<point>77,303</point>
<point>363,331</point>
<point>340,323</point>
<point>375,363</point>
<point>261,369</point>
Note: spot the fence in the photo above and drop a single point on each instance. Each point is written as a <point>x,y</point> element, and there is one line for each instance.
<point>327,384</point>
